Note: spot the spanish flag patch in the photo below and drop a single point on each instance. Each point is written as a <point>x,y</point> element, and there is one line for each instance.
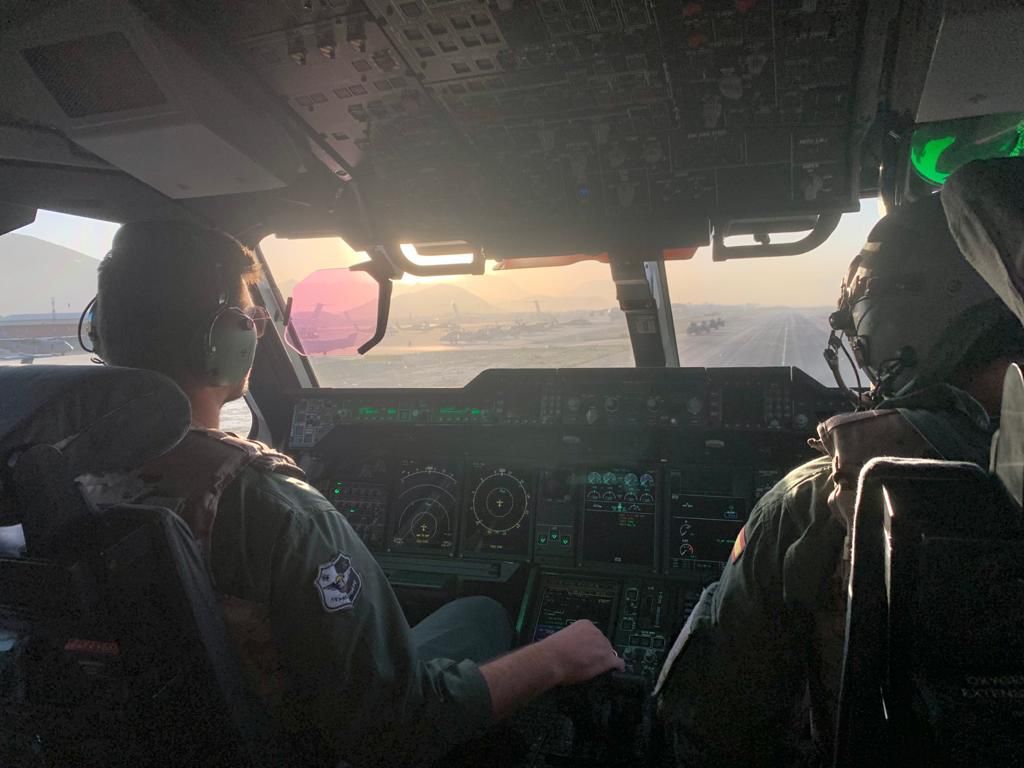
<point>739,545</point>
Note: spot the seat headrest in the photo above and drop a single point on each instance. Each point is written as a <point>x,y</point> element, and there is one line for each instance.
<point>102,418</point>
<point>984,203</point>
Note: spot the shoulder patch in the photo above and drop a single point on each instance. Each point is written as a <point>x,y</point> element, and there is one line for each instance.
<point>338,584</point>
<point>739,545</point>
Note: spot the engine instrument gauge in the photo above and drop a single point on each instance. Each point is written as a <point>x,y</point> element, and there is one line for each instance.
<point>619,513</point>
<point>702,530</point>
<point>500,506</point>
<point>426,508</point>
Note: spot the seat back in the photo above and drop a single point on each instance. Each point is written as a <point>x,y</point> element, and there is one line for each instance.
<point>935,624</point>
<point>933,672</point>
<point>112,647</point>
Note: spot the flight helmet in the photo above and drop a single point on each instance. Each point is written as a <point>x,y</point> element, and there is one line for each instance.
<point>911,306</point>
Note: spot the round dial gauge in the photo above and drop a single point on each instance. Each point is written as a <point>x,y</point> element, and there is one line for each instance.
<point>500,502</point>
<point>426,506</point>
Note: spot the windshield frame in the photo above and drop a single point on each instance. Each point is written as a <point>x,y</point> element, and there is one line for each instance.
<point>642,289</point>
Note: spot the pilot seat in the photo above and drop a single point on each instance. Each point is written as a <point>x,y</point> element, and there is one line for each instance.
<point>112,647</point>
<point>933,672</point>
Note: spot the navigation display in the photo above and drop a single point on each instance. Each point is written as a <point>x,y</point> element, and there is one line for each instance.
<point>742,406</point>
<point>500,509</point>
<point>565,599</point>
<point>426,508</point>
<point>619,512</point>
<point>702,529</point>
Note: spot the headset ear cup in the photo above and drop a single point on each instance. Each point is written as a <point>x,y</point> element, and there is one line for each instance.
<point>230,348</point>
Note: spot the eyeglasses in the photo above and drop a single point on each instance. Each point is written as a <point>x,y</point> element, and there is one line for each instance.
<point>259,317</point>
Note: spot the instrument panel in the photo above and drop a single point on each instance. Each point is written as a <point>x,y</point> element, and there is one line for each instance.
<point>605,471</point>
<point>620,492</point>
<point>611,519</point>
<point>777,399</point>
<point>640,616</point>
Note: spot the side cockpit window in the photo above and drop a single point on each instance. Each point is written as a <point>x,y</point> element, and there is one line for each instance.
<point>49,270</point>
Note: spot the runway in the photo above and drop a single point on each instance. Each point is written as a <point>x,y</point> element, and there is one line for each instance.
<point>759,336</point>
<point>751,336</point>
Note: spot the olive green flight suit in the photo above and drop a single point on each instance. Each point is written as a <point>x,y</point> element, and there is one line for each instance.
<point>320,632</point>
<point>762,649</point>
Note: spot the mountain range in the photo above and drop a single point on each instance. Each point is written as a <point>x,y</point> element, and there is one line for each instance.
<point>35,272</point>
<point>440,300</point>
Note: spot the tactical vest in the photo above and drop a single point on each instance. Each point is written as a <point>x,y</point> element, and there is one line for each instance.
<point>190,480</point>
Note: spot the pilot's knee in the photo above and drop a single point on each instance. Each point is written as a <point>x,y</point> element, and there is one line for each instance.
<point>489,610</point>
<point>491,615</point>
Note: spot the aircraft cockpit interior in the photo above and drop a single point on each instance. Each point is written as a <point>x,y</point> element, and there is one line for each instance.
<point>501,246</point>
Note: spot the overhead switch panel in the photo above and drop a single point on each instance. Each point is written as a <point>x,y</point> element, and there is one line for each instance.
<point>120,88</point>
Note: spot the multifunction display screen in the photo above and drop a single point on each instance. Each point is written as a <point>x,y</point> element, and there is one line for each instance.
<point>425,512</point>
<point>702,529</point>
<point>565,599</point>
<point>500,504</point>
<point>619,512</point>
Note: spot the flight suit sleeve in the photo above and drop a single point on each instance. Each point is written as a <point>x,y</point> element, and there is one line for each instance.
<point>734,681</point>
<point>343,641</point>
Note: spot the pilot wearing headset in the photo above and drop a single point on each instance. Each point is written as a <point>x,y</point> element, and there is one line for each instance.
<point>753,678</point>
<point>320,632</point>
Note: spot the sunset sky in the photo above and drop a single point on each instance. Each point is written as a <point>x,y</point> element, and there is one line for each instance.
<point>808,280</point>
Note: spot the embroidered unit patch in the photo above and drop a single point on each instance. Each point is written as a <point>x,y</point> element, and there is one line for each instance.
<point>338,584</point>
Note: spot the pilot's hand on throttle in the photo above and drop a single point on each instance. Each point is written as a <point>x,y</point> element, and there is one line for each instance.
<point>581,652</point>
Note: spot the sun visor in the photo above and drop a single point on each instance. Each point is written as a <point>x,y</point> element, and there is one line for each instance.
<point>984,203</point>
<point>102,418</point>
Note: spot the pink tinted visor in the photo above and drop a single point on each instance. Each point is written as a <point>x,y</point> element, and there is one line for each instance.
<point>333,312</point>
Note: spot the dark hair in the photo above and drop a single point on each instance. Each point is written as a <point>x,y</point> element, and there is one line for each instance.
<point>159,288</point>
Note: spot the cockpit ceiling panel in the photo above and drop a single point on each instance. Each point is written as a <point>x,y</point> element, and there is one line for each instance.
<point>583,122</point>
